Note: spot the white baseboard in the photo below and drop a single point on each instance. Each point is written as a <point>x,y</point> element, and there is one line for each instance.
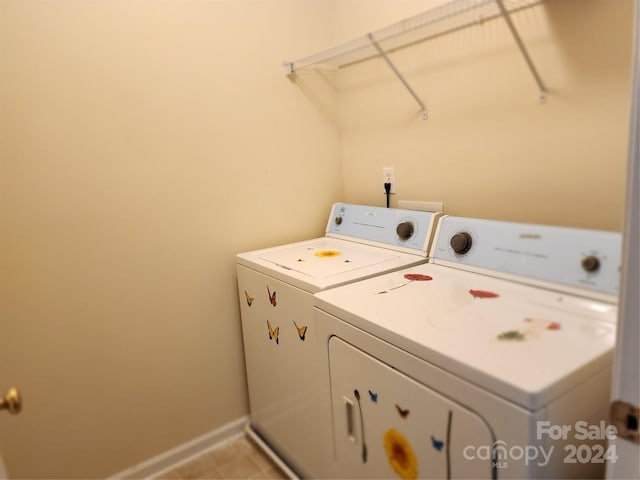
<point>182,453</point>
<point>270,453</point>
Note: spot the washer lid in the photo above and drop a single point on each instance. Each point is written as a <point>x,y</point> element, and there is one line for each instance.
<point>523,343</point>
<point>337,262</point>
<point>327,258</point>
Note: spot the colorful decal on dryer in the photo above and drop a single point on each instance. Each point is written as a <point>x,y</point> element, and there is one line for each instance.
<point>273,333</point>
<point>402,412</point>
<point>412,277</point>
<point>327,253</point>
<point>483,294</point>
<point>512,335</point>
<point>401,456</point>
<point>536,326</point>
<point>302,331</point>
<point>249,298</point>
<point>418,277</point>
<point>373,396</point>
<point>542,324</point>
<point>364,443</point>
<point>436,444</point>
<point>272,296</point>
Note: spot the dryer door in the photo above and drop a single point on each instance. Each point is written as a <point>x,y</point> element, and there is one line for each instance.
<point>387,424</point>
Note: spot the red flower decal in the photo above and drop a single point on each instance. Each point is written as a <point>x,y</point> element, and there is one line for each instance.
<point>483,294</point>
<point>417,276</point>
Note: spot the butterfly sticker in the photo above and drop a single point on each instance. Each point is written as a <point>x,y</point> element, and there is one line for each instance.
<point>436,444</point>
<point>272,296</point>
<point>249,298</point>
<point>403,413</point>
<point>273,333</point>
<point>302,331</point>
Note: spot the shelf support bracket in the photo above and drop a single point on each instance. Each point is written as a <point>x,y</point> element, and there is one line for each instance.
<point>384,55</point>
<point>523,50</point>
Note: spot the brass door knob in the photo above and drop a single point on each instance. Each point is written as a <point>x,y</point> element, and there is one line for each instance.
<point>11,401</point>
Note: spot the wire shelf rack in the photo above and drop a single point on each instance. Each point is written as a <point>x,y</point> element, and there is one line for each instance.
<point>446,18</point>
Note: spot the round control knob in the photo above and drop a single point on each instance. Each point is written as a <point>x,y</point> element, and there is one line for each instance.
<point>405,230</point>
<point>461,242</point>
<point>590,263</point>
<point>338,220</point>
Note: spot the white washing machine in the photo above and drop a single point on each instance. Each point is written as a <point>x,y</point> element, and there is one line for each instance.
<point>284,356</point>
<point>491,361</point>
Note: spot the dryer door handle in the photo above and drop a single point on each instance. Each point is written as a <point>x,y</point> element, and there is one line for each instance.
<point>349,407</point>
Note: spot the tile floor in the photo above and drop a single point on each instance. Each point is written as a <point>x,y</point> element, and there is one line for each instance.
<point>237,459</point>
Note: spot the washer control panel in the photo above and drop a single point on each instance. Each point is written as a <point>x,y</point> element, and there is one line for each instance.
<point>407,229</point>
<point>577,257</point>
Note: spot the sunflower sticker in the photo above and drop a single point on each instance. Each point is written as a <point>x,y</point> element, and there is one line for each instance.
<point>327,253</point>
<point>401,456</point>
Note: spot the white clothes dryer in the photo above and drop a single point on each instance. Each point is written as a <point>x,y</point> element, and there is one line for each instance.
<point>491,361</point>
<point>284,357</point>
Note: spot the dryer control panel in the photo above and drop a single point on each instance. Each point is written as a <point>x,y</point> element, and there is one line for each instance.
<point>580,258</point>
<point>408,230</point>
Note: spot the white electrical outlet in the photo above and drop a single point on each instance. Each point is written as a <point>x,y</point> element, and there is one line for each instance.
<point>389,176</point>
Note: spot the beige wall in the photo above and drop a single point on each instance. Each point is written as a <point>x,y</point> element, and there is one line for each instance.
<point>489,149</point>
<point>142,145</point>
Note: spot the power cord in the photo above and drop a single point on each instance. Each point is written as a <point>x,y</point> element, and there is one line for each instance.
<point>387,189</point>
